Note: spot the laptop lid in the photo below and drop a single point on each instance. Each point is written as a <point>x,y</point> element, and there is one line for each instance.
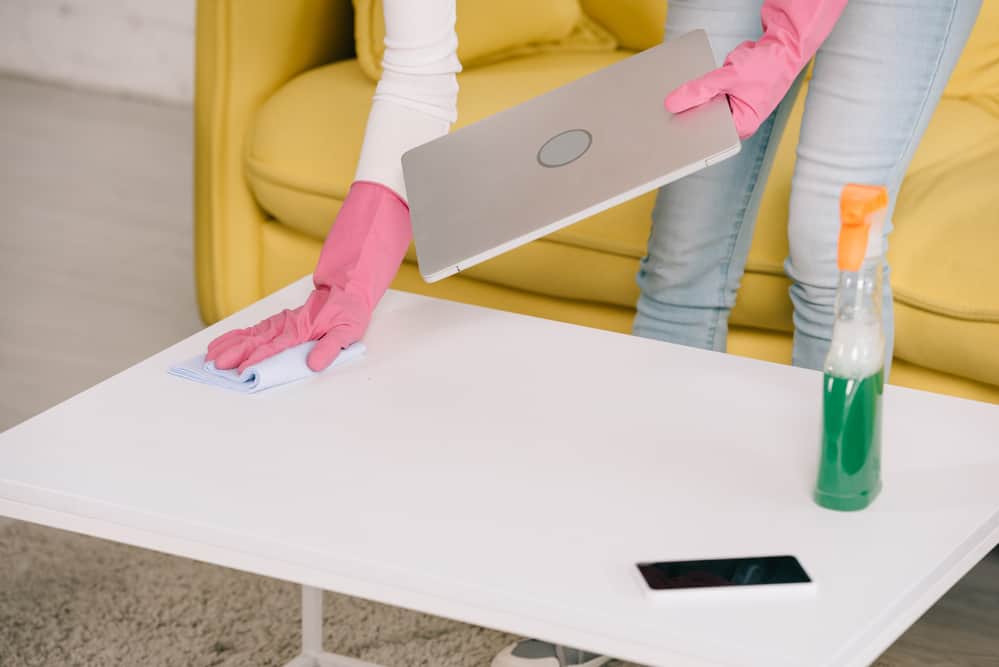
<point>562,157</point>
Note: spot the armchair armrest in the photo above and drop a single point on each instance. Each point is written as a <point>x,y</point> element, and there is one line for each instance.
<point>245,50</point>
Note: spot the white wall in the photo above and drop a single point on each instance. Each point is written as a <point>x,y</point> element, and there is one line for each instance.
<point>143,48</point>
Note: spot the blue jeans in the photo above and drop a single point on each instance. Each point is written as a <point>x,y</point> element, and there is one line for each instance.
<point>876,82</point>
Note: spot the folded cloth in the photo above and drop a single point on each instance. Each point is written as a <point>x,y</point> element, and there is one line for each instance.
<point>282,368</point>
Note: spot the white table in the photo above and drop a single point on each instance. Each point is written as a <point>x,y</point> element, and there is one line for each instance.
<point>508,471</point>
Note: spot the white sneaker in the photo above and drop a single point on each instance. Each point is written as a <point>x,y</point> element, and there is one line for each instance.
<point>535,653</point>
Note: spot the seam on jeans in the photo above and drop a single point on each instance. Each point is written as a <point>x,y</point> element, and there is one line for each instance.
<point>747,196</point>
<point>948,36</point>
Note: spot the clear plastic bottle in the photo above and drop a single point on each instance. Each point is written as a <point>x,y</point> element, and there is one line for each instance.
<point>850,466</point>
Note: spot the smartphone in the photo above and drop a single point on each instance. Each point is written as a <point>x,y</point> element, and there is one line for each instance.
<point>783,573</point>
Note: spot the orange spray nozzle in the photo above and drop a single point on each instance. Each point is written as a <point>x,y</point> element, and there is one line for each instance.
<point>858,205</point>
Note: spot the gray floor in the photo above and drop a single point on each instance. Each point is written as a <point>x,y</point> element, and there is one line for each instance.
<point>96,241</point>
<point>96,274</point>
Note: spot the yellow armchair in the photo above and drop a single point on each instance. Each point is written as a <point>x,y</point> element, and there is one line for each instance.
<point>280,107</point>
<point>246,50</point>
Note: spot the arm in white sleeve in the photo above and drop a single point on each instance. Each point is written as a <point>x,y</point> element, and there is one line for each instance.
<point>416,98</point>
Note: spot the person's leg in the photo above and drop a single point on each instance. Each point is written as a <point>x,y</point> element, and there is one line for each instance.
<point>877,80</point>
<point>701,231</point>
<point>703,224</point>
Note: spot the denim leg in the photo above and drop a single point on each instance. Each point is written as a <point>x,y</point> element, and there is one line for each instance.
<point>702,225</point>
<point>877,80</point>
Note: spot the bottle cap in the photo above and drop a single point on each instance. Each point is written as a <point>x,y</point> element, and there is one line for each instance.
<point>860,208</point>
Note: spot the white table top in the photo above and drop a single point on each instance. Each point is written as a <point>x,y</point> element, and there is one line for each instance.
<point>508,471</point>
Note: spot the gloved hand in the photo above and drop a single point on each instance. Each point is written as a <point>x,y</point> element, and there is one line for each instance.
<point>360,257</point>
<point>757,75</point>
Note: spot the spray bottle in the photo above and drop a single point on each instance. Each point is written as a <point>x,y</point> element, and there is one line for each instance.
<point>849,476</point>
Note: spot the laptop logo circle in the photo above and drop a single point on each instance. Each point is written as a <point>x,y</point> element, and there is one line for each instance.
<point>564,148</point>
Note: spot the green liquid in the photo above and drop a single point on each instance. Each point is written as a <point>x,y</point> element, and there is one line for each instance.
<point>850,469</point>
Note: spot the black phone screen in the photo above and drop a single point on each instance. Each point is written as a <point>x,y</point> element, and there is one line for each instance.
<point>755,571</point>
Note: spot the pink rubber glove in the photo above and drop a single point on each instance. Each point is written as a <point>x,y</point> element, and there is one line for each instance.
<point>757,75</point>
<point>361,256</point>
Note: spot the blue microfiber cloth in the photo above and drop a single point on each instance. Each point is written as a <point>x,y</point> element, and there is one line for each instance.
<point>282,368</point>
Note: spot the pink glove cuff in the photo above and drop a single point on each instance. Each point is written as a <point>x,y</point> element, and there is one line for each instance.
<point>366,244</point>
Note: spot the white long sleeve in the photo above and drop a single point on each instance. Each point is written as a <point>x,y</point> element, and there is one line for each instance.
<point>416,98</point>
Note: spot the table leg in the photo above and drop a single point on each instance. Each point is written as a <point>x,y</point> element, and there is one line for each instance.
<point>312,636</point>
<point>312,619</point>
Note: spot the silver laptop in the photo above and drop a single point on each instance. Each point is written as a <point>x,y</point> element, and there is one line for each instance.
<point>562,157</point>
